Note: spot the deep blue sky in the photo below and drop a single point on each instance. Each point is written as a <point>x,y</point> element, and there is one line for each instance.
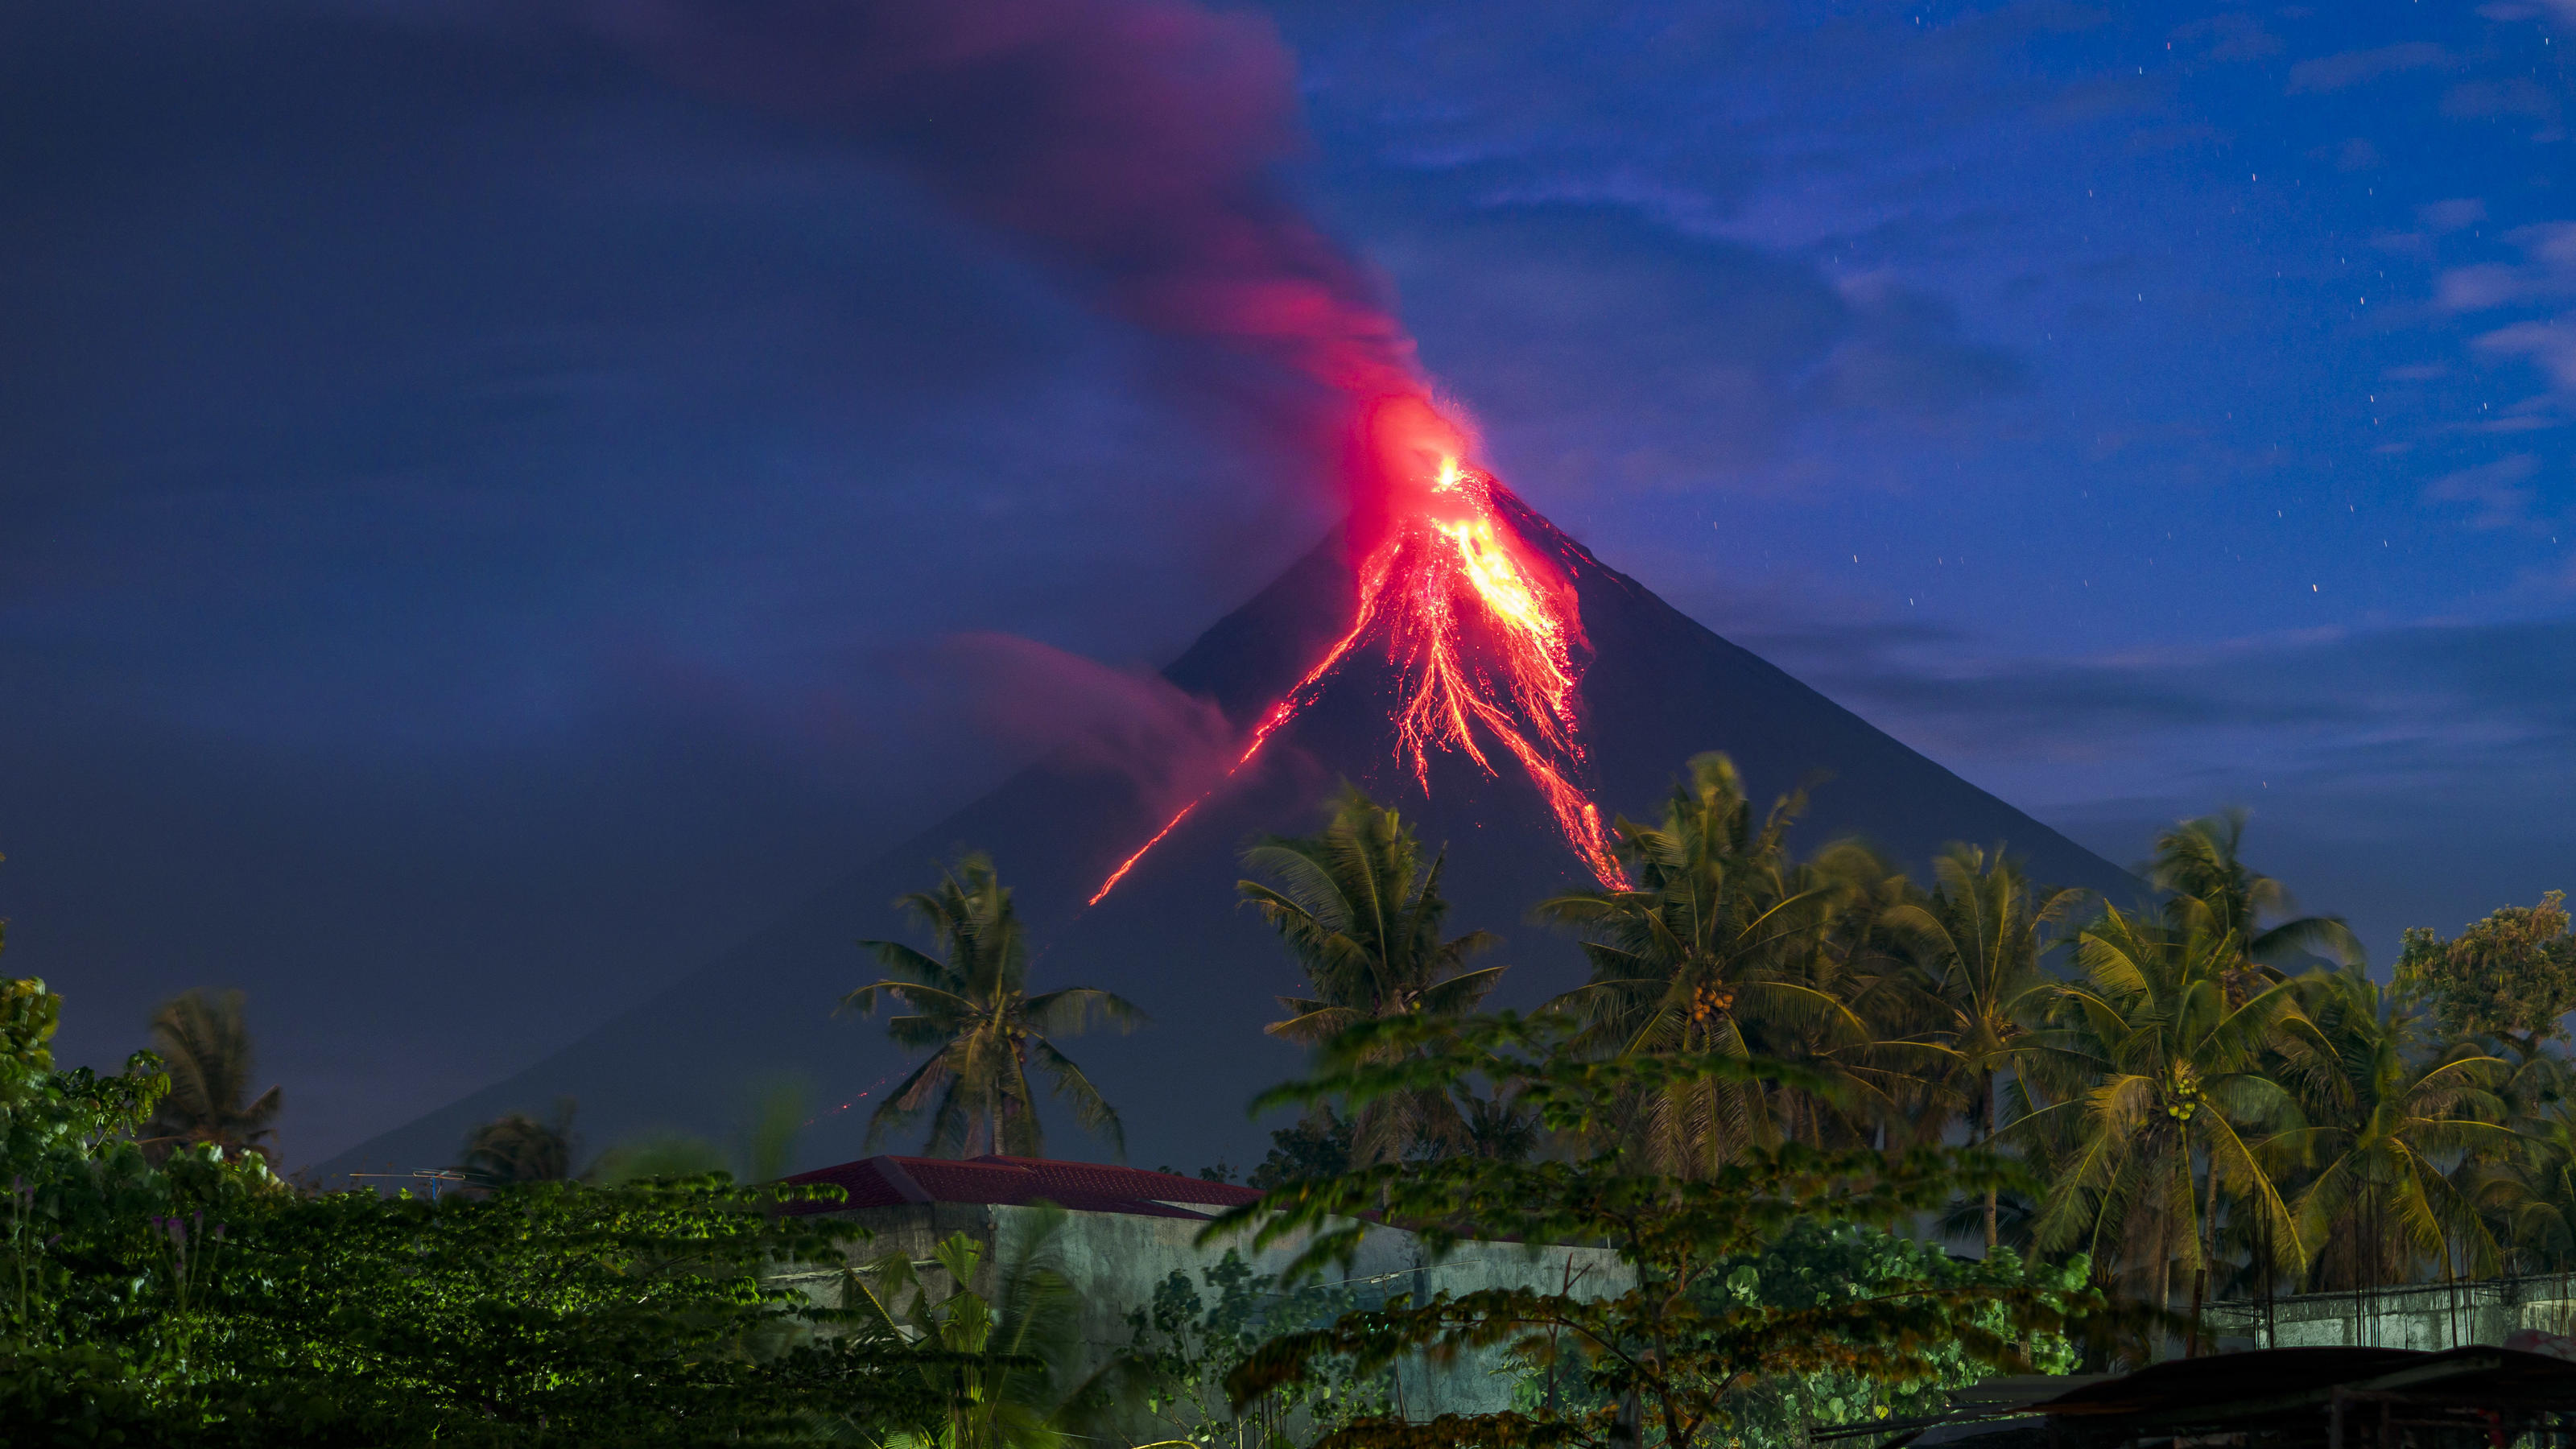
<point>484,529</point>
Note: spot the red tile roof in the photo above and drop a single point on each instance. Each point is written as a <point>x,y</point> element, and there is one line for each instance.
<point>1078,1186</point>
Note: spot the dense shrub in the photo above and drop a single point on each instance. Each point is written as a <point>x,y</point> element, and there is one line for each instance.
<point>204,1302</point>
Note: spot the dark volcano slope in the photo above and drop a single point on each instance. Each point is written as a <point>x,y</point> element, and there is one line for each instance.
<point>1658,689</point>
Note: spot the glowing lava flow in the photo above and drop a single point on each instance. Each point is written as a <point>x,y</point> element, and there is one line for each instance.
<point>1414,578</point>
<point>1448,547</point>
<point>1282,712</point>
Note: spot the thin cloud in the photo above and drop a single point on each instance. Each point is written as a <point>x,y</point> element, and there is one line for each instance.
<point>2455,214</point>
<point>2500,491</point>
<point>2516,96</point>
<point>2549,343</point>
<point>2357,67</point>
<point>2470,711</point>
<point>2547,274</point>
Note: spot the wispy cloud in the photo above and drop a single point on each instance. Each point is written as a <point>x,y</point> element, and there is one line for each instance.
<point>2479,715</point>
<point>2357,67</point>
<point>2546,275</point>
<point>2550,344</point>
<point>2501,491</point>
<point>2454,214</point>
<point>2522,96</point>
<point>2548,271</point>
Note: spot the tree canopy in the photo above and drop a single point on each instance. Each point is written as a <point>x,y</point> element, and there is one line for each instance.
<point>1668,1354</point>
<point>970,1008</point>
<point>2511,976</point>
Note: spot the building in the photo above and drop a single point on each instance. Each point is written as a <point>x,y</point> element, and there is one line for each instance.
<point>2489,1311</point>
<point>1126,1231</point>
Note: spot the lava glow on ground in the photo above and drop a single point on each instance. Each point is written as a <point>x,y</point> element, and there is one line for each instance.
<point>1482,630</point>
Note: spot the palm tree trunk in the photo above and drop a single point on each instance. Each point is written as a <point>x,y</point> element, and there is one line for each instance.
<point>2208,1251</point>
<point>1988,1139</point>
<point>2162,1267</point>
<point>2271,1329</point>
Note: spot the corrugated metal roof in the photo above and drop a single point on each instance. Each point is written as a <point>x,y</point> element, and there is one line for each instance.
<point>1016,1181</point>
<point>2229,1378</point>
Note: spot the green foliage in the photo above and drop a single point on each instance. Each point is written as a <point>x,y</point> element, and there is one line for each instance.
<point>545,1312</point>
<point>205,1047</point>
<point>1174,1370</point>
<point>762,1143</point>
<point>1703,943</point>
<point>1317,1144</point>
<point>2511,976</point>
<point>203,1303</point>
<point>1670,1355</point>
<point>81,1243</point>
<point>78,1244</point>
<point>2388,1115</point>
<point>1362,912</point>
<point>1724,945</point>
<point>998,1366</point>
<point>2211,890</point>
<point>969,1007</point>
<point>1980,941</point>
<point>2157,1082</point>
<point>655,1155</point>
<point>1816,1265</point>
<point>515,1147</point>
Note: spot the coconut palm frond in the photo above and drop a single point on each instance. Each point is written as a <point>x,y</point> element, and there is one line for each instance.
<point>971,1012</point>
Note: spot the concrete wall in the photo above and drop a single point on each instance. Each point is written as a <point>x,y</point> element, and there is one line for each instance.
<point>1115,1261</point>
<point>2421,1316</point>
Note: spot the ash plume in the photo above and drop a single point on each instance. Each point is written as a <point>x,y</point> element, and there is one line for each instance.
<point>1134,146</point>
<point>1085,716</point>
<point>1137,145</point>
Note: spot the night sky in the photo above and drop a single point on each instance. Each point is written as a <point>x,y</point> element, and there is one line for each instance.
<point>489,522</point>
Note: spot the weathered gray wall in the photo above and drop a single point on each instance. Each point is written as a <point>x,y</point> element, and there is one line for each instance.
<point>2422,1316</point>
<point>1115,1260</point>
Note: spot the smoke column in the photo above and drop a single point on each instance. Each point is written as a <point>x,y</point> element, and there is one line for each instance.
<point>1134,145</point>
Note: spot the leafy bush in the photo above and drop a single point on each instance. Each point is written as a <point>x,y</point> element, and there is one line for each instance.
<point>205,1303</point>
<point>1817,1265</point>
<point>1175,1368</point>
<point>546,1312</point>
<point>1678,1357</point>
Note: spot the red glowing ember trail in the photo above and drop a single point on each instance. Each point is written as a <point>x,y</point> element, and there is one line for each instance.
<point>1282,712</point>
<point>1481,630</point>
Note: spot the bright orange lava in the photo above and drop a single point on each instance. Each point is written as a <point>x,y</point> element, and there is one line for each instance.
<point>1482,631</point>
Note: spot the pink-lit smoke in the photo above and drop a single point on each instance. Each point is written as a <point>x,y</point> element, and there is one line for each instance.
<point>1032,699</point>
<point>1134,145</point>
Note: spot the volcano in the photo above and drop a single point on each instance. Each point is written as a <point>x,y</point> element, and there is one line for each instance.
<point>1645,688</point>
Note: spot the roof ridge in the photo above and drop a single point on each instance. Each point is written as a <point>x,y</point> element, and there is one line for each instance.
<point>904,1183</point>
<point>999,1180</point>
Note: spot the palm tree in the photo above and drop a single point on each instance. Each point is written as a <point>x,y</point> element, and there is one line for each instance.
<point>1982,937</point>
<point>2390,1116</point>
<point>971,1009</point>
<point>2528,1196</point>
<point>656,1156</point>
<point>515,1147</point>
<point>1709,940</point>
<point>998,1361</point>
<point>2151,1076</point>
<point>1362,914</point>
<point>1872,1065</point>
<point>206,1048</point>
<point>1498,1126</point>
<point>2198,861</point>
<point>760,1148</point>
